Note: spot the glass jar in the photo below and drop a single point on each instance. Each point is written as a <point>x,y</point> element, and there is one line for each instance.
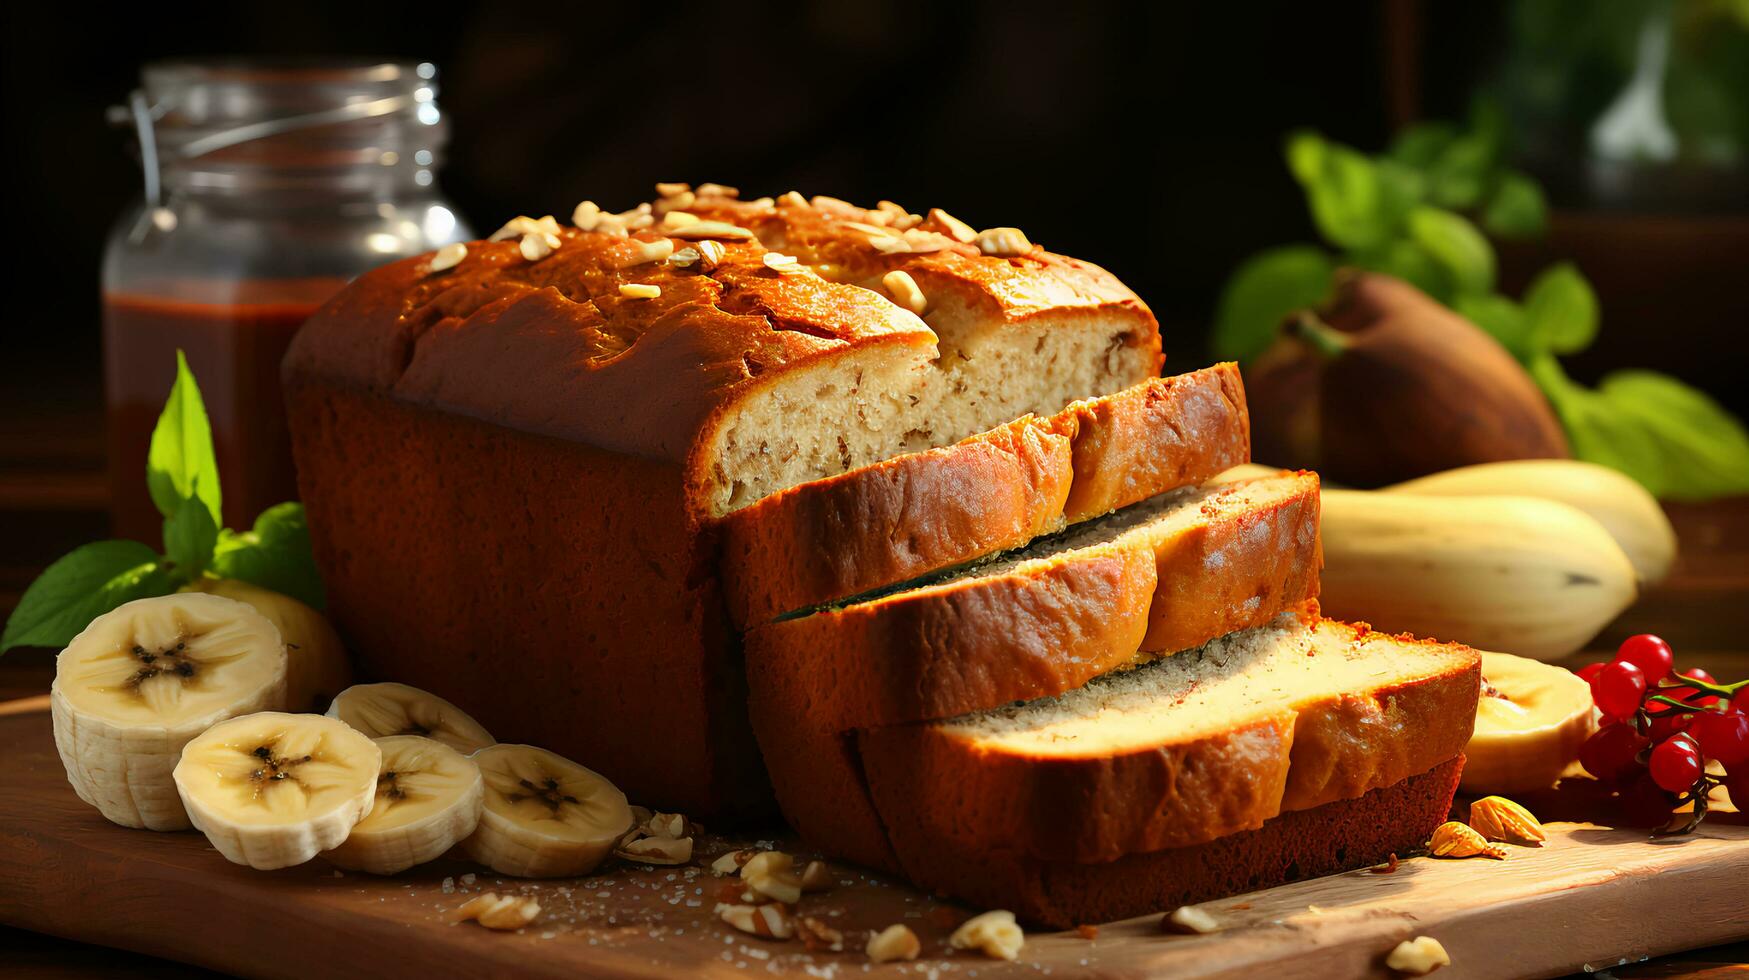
<point>268,186</point>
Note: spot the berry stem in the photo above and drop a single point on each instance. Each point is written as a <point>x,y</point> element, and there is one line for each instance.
<point>1683,706</point>
<point>1703,687</point>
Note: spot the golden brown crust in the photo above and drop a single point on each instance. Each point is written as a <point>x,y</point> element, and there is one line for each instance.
<point>914,514</point>
<point>1337,836</point>
<point>575,359</point>
<point>954,790</point>
<point>1041,628</point>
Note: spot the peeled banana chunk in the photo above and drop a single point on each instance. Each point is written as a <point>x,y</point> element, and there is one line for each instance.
<point>428,799</point>
<point>141,681</point>
<point>272,789</point>
<point>381,710</point>
<point>545,816</point>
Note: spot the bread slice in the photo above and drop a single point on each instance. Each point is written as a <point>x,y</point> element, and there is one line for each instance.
<point>1169,573</point>
<point>1298,844</point>
<point>917,513</point>
<point>1181,751</point>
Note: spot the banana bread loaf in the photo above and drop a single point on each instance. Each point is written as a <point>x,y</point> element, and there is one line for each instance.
<point>514,456</point>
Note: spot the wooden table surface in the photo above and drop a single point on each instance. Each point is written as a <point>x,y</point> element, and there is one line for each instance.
<point>53,494</point>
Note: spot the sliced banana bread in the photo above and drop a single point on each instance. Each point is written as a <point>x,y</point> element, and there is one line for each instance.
<point>1169,573</point>
<point>1178,752</point>
<point>911,515</point>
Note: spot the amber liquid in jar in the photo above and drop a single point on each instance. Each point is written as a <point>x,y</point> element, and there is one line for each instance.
<point>234,335</point>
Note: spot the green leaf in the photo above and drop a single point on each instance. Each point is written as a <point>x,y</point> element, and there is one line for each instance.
<point>81,586</point>
<point>274,555</point>
<point>1461,173</point>
<point>1597,432</point>
<point>1516,209</point>
<point>1705,451</point>
<point>1456,245</point>
<point>181,453</point>
<point>1503,319</point>
<point>1263,291</point>
<point>1420,145</point>
<point>189,538</point>
<point>1351,203</point>
<point>1560,311</point>
<point>1410,262</point>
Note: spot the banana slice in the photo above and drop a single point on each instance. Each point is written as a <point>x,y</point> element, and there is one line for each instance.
<point>381,710</point>
<point>545,816</point>
<point>1530,722</point>
<point>272,789</point>
<point>143,679</point>
<point>428,799</point>
<point>316,664</point>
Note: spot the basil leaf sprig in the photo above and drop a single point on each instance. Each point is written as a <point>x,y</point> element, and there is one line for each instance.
<point>182,477</point>
<point>1422,211</point>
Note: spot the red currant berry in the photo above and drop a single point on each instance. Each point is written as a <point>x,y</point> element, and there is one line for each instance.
<point>1667,723</point>
<point>1618,688</point>
<point>1644,804</point>
<point>1675,764</point>
<point>1740,702</point>
<point>1649,653</point>
<point>1609,753</point>
<point>1722,736</point>
<point>1590,670</point>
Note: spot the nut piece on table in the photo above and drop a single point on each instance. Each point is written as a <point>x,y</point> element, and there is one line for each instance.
<point>655,850</point>
<point>730,863</point>
<point>994,933</point>
<point>1498,818</point>
<point>895,942</point>
<point>816,877</point>
<point>818,935</point>
<point>1189,919</point>
<point>1459,840</point>
<point>1418,957</point>
<point>493,912</point>
<point>764,921</point>
<point>772,874</point>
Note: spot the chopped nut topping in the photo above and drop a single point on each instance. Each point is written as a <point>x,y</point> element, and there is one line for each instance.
<point>772,874</point>
<point>522,225</point>
<point>783,265</point>
<point>953,227</point>
<point>895,942</point>
<point>448,257</point>
<point>897,217</point>
<point>653,850</point>
<point>731,862</point>
<point>816,877</point>
<point>765,921</point>
<point>683,257</point>
<point>652,251</point>
<point>679,202</point>
<point>918,240</point>
<point>509,912</point>
<point>1458,840</point>
<point>586,216</point>
<point>710,254</point>
<point>1003,242</point>
<point>828,203</point>
<point>672,189</point>
<point>762,203</point>
<point>890,244</point>
<point>711,229</point>
<point>792,199</point>
<point>877,231</point>
<point>718,190</point>
<point>817,935</point>
<point>678,219</point>
<point>904,291</point>
<point>1418,957</point>
<point>1498,818</point>
<point>1189,919</point>
<point>538,245</point>
<point>994,933</point>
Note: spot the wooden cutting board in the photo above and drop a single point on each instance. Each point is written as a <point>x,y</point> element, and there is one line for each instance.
<point>1591,898</point>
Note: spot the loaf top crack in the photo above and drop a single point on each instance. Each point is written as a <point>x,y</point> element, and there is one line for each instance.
<point>808,337</point>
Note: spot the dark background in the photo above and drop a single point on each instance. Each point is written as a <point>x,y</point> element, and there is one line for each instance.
<point>1143,136</point>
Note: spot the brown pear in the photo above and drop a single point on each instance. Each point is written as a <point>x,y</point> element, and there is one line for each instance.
<point>1385,384</point>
